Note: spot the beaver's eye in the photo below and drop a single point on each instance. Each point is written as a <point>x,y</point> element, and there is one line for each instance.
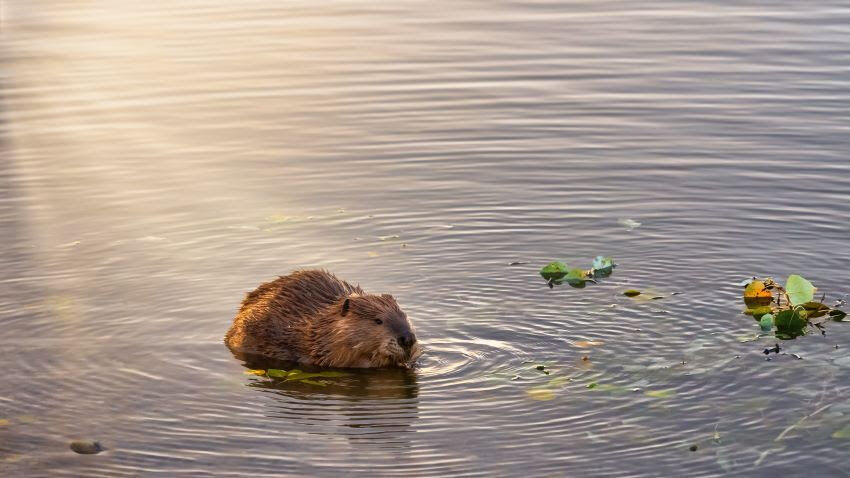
<point>379,321</point>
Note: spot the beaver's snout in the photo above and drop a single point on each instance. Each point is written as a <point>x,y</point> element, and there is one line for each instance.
<point>406,340</point>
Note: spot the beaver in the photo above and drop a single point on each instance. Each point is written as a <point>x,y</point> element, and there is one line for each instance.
<point>314,318</point>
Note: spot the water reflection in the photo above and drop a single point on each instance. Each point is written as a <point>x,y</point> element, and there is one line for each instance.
<point>162,158</point>
<point>376,406</point>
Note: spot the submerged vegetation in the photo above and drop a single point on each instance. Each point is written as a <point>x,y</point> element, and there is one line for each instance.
<point>309,378</point>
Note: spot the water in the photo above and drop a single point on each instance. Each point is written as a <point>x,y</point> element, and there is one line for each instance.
<point>159,160</point>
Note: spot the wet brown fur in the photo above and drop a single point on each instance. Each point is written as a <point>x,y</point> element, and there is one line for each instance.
<point>300,318</point>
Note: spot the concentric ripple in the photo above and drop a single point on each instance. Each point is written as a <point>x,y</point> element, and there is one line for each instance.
<point>161,159</point>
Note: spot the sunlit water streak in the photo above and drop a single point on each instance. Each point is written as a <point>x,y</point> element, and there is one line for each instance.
<point>160,159</point>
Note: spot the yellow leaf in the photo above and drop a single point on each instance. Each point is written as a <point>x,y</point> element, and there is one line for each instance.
<point>255,372</point>
<point>756,295</point>
<point>372,254</point>
<point>588,343</point>
<point>542,394</point>
<point>660,393</point>
<point>4,422</point>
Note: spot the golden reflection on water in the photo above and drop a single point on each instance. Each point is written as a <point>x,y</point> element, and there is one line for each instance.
<point>160,159</point>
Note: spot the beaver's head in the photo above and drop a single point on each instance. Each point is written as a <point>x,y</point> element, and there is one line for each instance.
<point>378,332</point>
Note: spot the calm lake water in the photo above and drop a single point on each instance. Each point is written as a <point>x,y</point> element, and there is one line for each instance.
<point>160,159</point>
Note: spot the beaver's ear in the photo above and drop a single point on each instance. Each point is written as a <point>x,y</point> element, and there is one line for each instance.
<point>345,306</point>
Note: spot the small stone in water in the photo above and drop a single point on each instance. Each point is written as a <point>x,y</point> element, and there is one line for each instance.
<point>541,367</point>
<point>86,447</point>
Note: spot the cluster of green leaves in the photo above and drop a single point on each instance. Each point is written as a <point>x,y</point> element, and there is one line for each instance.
<point>791,310</point>
<point>557,273</point>
<point>298,376</point>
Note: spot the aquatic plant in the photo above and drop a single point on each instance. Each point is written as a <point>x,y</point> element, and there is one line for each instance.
<point>557,273</point>
<point>790,310</point>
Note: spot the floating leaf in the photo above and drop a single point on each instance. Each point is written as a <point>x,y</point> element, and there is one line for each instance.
<point>299,375</point>
<point>815,309</point>
<point>799,290</point>
<point>603,266</point>
<point>277,373</point>
<point>758,312</point>
<point>372,254</point>
<point>756,295</point>
<point>837,315</point>
<point>588,343</point>
<point>4,422</point>
<point>644,296</point>
<point>790,324</point>
<point>660,393</point>
<point>843,433</point>
<point>313,382</point>
<point>576,278</point>
<point>542,394</point>
<point>554,271</point>
<point>766,322</point>
<point>255,372</point>
<point>651,295</point>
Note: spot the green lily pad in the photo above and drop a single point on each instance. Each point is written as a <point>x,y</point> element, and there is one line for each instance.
<point>799,290</point>
<point>790,324</point>
<point>603,266</point>
<point>576,278</point>
<point>554,271</point>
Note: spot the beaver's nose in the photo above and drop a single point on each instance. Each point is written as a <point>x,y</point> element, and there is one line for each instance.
<point>407,340</point>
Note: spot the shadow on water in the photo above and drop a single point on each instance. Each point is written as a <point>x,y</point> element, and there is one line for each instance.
<point>366,406</point>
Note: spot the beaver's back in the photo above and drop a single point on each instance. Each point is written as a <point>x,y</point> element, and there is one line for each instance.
<point>275,318</point>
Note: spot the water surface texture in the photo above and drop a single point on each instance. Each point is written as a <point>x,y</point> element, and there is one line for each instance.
<point>160,159</point>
